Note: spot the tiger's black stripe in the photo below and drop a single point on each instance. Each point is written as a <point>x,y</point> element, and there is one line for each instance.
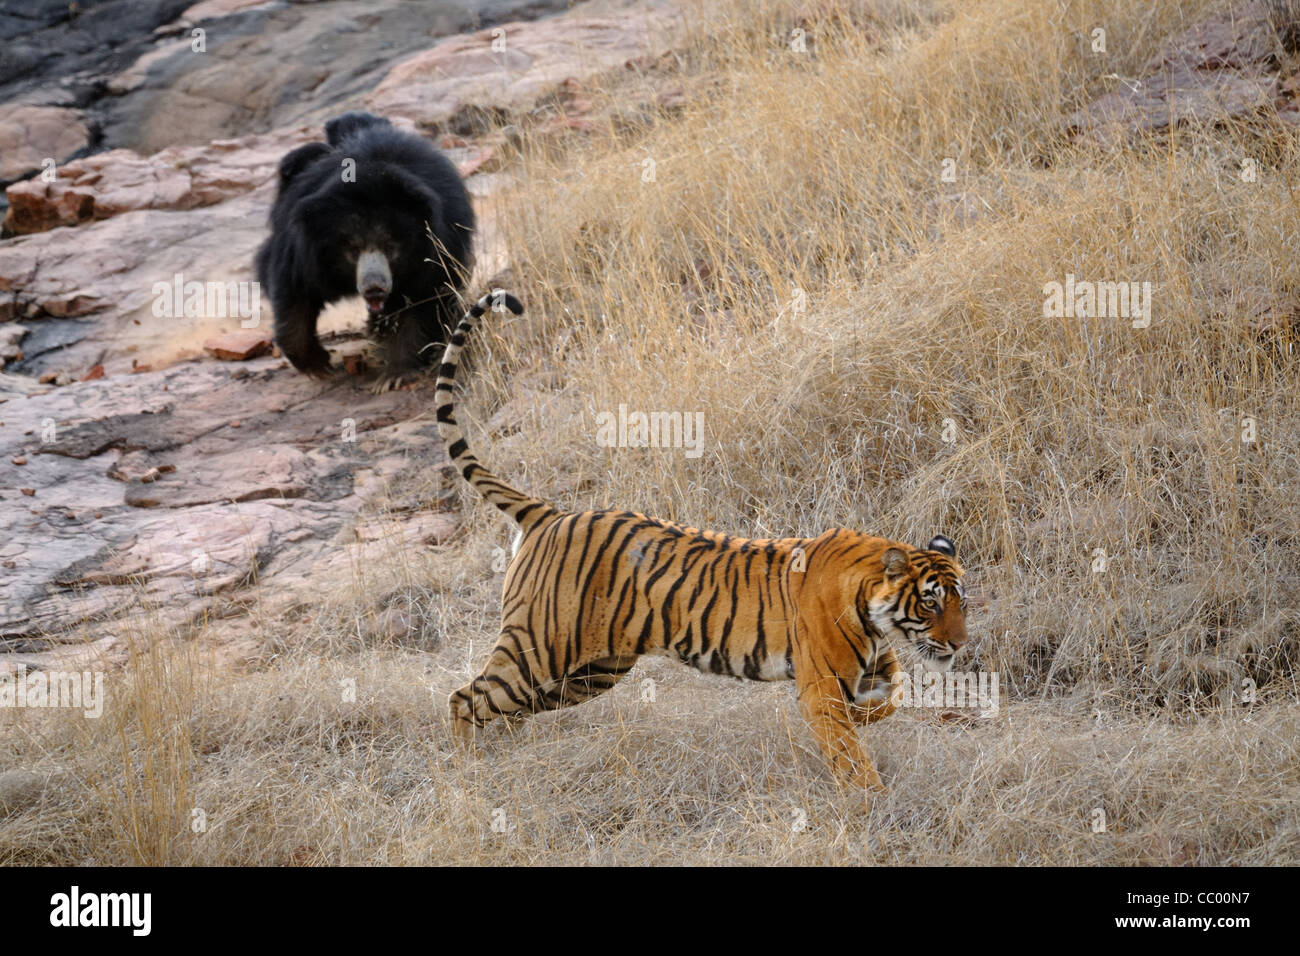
<point>524,509</point>
<point>588,593</point>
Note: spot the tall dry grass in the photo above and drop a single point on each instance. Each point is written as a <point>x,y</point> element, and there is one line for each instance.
<point>822,175</point>
<point>915,387</point>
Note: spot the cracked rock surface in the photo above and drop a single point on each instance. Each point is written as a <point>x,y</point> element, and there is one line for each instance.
<point>170,489</point>
<point>154,461</point>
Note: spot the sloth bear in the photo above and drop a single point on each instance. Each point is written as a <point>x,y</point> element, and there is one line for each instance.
<point>374,212</point>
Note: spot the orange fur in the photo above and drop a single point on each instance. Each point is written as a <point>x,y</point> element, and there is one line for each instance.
<point>588,593</point>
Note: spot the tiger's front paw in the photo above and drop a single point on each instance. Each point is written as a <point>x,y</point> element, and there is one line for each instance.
<point>868,779</point>
<point>462,719</point>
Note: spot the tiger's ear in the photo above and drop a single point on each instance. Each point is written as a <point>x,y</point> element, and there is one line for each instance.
<point>943,546</point>
<point>895,564</point>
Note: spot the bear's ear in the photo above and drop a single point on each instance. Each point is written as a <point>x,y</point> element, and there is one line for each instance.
<point>415,193</point>
<point>943,546</point>
<point>341,127</point>
<point>296,161</point>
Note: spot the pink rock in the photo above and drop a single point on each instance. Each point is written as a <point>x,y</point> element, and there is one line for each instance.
<point>1217,69</point>
<point>31,134</point>
<point>529,61</point>
<point>121,180</point>
<point>476,162</point>
<point>239,346</point>
<point>212,9</point>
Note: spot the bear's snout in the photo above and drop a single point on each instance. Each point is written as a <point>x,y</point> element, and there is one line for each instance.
<point>374,279</point>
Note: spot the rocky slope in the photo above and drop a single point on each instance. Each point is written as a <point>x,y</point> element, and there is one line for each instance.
<point>137,471</point>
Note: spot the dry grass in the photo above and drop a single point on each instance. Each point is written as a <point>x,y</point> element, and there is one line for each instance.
<point>924,314</point>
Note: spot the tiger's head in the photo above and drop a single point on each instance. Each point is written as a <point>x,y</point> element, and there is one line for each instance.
<point>919,599</point>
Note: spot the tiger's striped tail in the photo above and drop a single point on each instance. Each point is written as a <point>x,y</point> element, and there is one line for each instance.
<point>523,509</point>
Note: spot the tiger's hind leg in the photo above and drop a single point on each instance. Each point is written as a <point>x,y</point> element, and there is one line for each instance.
<point>586,681</point>
<point>502,689</point>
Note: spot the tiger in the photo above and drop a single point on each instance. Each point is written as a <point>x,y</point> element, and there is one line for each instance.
<point>588,593</point>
